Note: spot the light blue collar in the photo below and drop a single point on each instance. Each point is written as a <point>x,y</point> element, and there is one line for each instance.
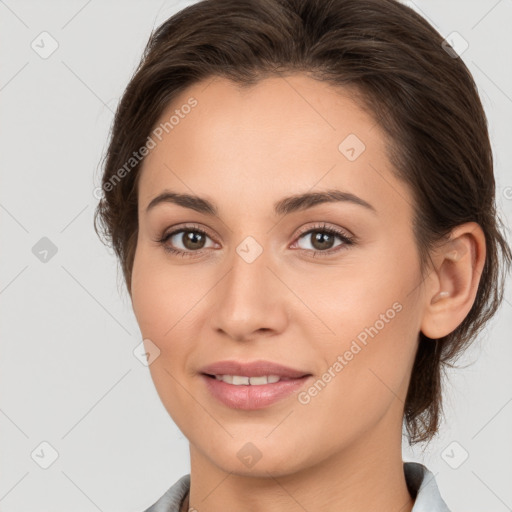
<point>420,481</point>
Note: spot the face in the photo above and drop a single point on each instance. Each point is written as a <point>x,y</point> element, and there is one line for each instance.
<point>330,288</point>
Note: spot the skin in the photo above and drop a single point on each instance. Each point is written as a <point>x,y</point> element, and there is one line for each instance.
<point>245,150</point>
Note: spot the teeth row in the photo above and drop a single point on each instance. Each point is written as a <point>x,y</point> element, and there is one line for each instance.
<point>239,380</point>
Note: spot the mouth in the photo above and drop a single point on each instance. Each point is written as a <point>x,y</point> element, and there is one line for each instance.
<point>243,380</point>
<point>259,368</point>
<point>251,386</point>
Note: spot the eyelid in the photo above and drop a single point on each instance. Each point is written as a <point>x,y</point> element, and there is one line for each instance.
<point>347,240</point>
<point>162,240</point>
<point>186,227</point>
<point>325,226</point>
<point>346,237</point>
<point>302,230</point>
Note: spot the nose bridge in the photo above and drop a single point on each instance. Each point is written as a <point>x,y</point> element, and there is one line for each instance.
<point>249,298</point>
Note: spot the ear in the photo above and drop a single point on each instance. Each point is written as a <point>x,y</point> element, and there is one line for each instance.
<point>453,282</point>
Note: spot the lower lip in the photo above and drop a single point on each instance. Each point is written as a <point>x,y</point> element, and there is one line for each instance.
<point>252,397</point>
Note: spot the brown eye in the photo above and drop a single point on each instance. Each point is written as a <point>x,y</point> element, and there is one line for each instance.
<point>185,242</point>
<point>323,240</point>
<point>192,240</point>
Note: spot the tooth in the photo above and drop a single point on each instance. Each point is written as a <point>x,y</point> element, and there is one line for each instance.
<point>256,381</point>
<point>238,379</point>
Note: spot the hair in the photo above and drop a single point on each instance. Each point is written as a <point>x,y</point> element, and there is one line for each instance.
<point>397,66</point>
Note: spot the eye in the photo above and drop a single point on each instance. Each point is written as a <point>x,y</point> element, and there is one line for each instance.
<point>190,241</point>
<point>185,241</point>
<point>322,239</point>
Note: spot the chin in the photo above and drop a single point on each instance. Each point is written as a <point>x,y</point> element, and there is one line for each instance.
<point>256,459</point>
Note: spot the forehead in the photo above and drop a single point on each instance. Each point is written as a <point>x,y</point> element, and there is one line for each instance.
<point>282,135</point>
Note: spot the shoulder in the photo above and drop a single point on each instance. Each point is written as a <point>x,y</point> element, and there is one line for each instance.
<point>422,485</point>
<point>171,500</point>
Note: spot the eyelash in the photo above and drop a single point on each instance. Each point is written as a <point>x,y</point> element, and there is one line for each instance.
<point>323,228</point>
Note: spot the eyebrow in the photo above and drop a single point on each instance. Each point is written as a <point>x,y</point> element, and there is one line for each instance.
<point>295,203</point>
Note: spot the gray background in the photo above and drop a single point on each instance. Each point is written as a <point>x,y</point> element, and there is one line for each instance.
<point>68,373</point>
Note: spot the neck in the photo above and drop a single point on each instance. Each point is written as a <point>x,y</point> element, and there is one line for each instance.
<point>368,474</point>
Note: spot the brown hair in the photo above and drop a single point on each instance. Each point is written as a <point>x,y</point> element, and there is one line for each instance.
<point>394,61</point>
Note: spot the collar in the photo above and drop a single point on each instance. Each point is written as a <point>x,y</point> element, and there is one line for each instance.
<point>420,482</point>
<point>422,486</point>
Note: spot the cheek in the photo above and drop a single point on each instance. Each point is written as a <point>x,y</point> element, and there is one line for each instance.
<point>367,289</point>
<point>366,370</point>
<point>161,295</point>
<point>375,315</point>
<point>165,301</point>
<point>162,301</point>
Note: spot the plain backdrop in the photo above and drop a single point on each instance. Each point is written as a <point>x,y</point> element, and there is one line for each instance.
<point>73,395</point>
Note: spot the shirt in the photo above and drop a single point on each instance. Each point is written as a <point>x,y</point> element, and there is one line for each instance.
<point>420,482</point>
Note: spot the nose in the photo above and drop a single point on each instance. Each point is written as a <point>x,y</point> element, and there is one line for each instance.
<point>250,301</point>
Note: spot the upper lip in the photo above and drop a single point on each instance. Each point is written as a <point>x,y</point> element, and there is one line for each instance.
<point>252,369</point>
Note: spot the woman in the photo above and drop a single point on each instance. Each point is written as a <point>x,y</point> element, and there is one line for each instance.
<point>301,197</point>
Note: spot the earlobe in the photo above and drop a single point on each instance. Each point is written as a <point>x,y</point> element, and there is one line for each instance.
<point>453,284</point>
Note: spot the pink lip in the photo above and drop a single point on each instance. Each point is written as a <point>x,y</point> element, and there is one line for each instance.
<point>251,397</point>
<point>252,369</point>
